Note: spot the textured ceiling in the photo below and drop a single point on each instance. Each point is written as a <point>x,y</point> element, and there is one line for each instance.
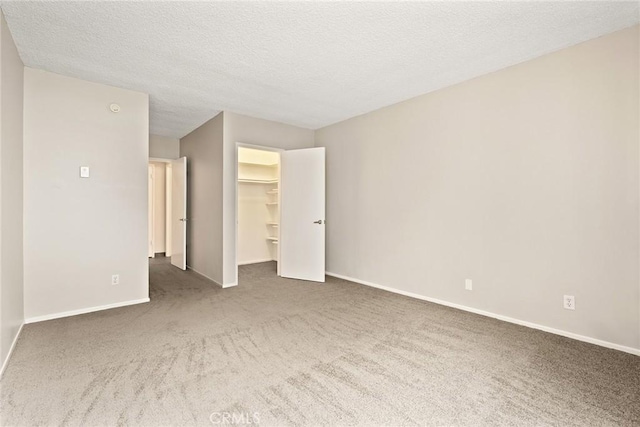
<point>308,64</point>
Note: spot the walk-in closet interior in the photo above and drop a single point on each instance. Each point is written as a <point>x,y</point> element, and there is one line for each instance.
<point>258,205</point>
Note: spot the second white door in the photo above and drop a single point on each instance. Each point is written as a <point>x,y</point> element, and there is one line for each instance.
<point>302,214</point>
<point>179,213</point>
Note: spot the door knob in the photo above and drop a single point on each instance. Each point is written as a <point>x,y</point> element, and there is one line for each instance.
<point>319,222</point>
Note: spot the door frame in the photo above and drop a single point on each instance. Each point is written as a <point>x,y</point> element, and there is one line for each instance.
<point>255,147</point>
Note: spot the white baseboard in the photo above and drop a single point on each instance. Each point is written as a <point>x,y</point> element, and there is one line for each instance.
<point>5,362</point>
<point>223,286</point>
<point>555,331</point>
<point>205,276</point>
<point>256,261</point>
<point>84,310</point>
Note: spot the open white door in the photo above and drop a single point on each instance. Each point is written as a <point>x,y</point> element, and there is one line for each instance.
<point>151,252</point>
<point>179,213</point>
<point>302,210</point>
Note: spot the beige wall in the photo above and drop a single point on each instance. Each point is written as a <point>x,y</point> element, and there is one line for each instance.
<point>524,180</point>
<point>249,130</point>
<point>203,149</point>
<point>11,235</point>
<point>80,231</point>
<point>159,206</point>
<point>161,147</point>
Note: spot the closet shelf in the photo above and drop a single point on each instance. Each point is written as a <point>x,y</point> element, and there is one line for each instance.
<point>273,224</point>
<point>271,165</point>
<point>275,239</point>
<point>258,181</point>
<point>272,203</point>
<point>274,191</point>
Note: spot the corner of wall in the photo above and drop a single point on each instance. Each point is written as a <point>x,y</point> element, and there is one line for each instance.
<point>11,194</point>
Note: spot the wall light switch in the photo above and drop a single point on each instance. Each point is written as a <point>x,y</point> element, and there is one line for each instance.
<point>468,284</point>
<point>84,171</point>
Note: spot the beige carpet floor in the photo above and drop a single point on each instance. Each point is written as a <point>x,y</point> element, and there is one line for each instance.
<point>286,352</point>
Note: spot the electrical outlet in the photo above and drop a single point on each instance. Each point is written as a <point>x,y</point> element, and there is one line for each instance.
<point>115,279</point>
<point>569,302</point>
<point>468,284</point>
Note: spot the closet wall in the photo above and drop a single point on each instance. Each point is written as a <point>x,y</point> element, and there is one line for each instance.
<point>248,130</point>
<point>203,150</point>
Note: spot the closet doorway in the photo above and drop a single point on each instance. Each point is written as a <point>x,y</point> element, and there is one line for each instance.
<point>258,205</point>
<point>280,210</point>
